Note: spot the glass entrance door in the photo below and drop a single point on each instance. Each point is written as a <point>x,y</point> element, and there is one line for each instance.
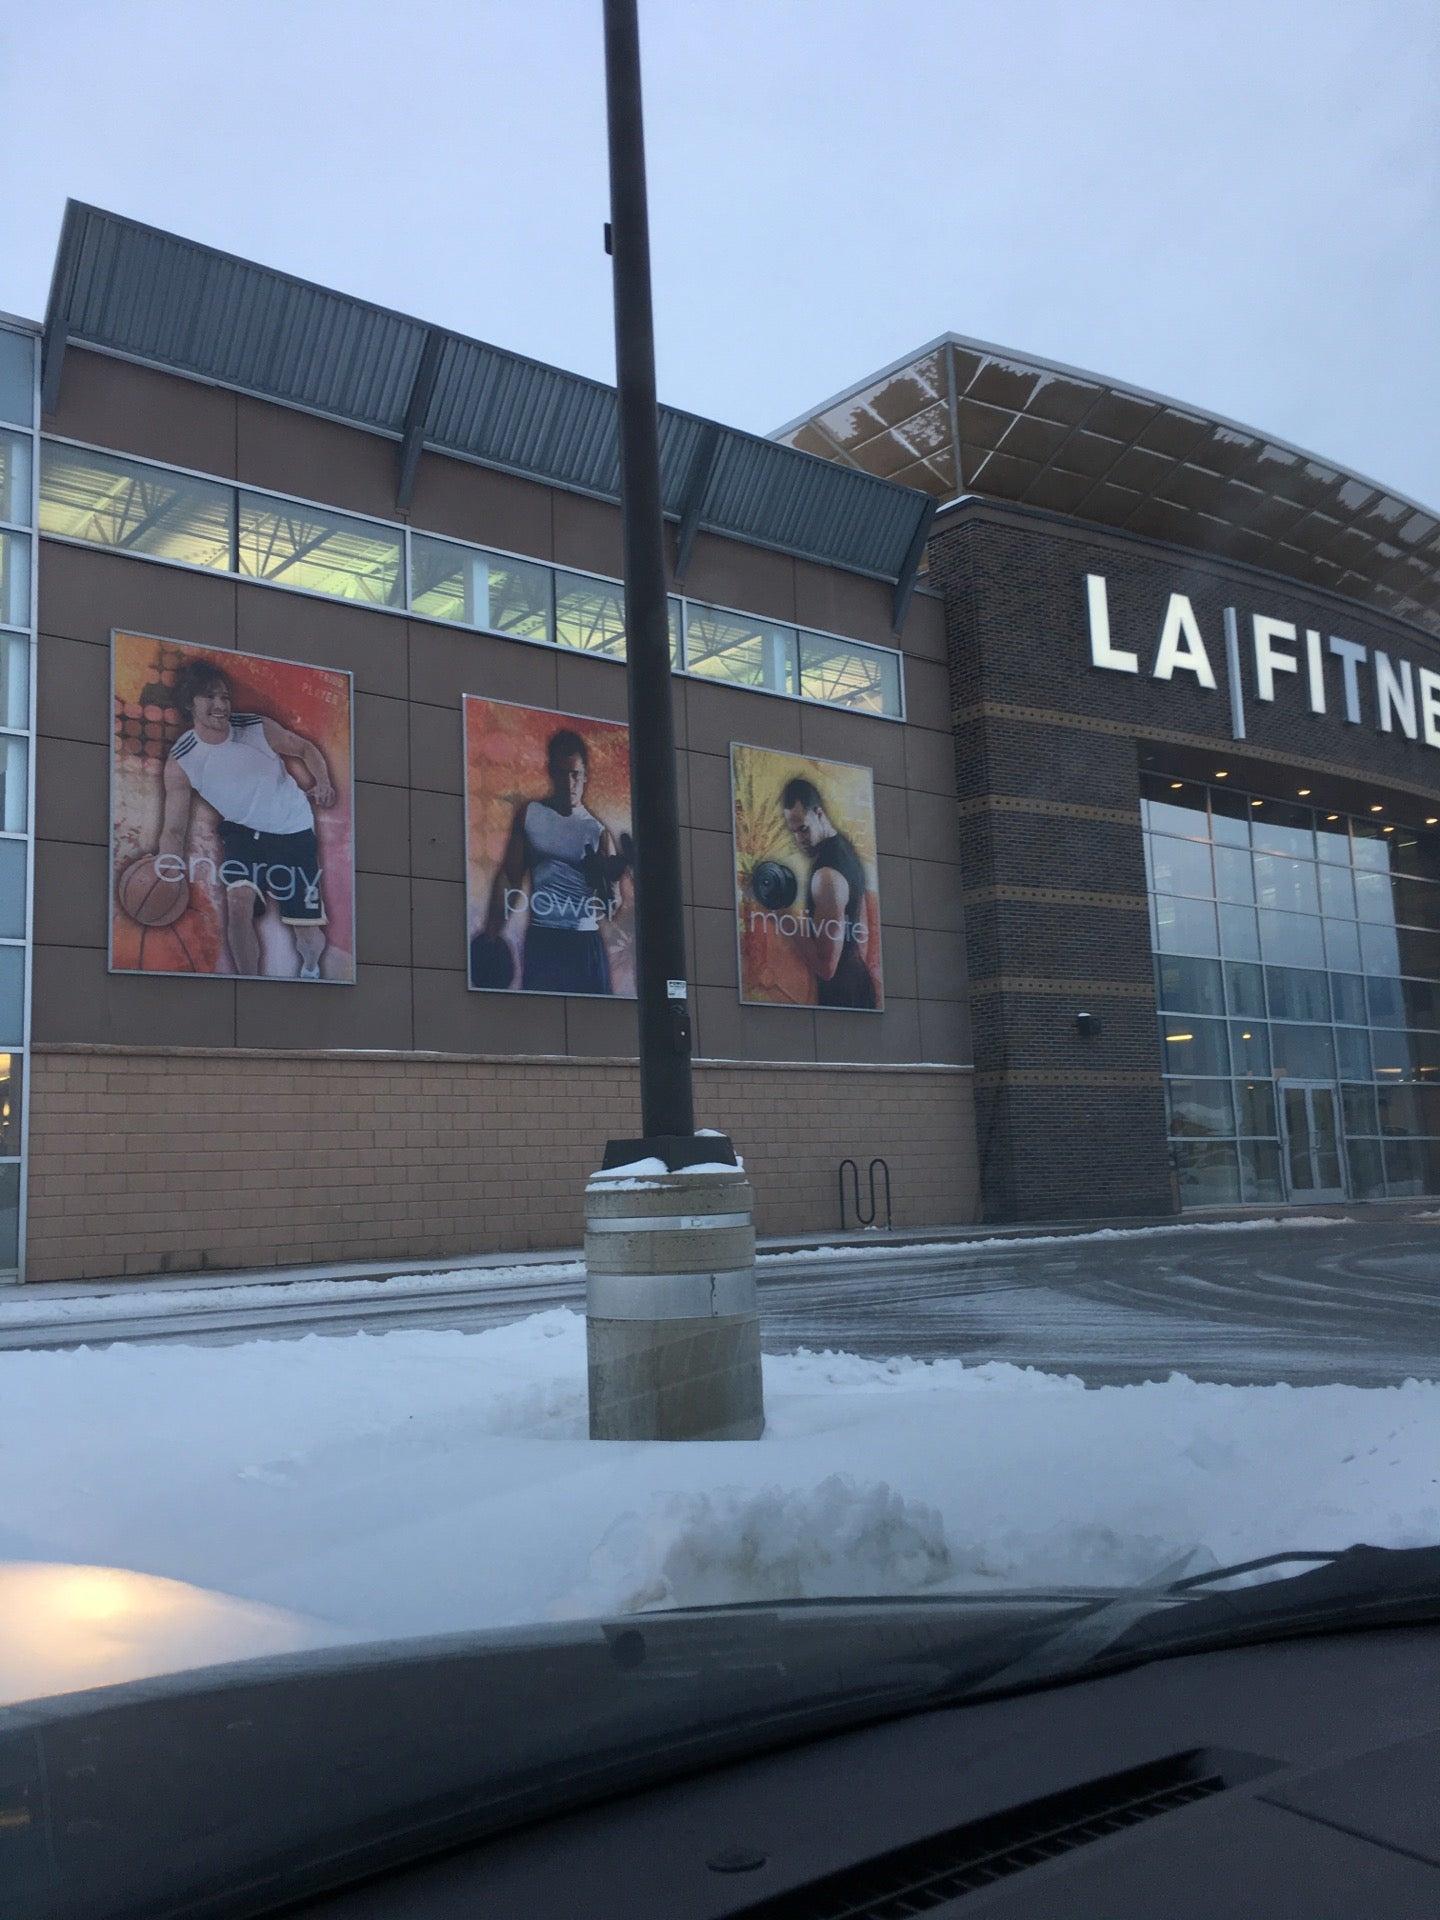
<point>1310,1120</point>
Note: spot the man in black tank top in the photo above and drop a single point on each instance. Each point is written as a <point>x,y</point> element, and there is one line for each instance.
<point>834,940</point>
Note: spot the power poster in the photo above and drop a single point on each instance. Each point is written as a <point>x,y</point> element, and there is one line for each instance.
<point>549,856</point>
<point>807,899</point>
<point>232,815</point>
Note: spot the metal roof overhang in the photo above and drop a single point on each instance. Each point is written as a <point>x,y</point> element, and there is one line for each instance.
<point>963,416</point>
<point>151,296</point>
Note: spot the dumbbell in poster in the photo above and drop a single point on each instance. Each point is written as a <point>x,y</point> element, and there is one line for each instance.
<point>806,890</point>
<point>232,815</point>
<point>549,858</point>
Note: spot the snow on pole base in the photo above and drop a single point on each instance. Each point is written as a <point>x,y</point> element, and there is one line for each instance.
<point>671,1320</point>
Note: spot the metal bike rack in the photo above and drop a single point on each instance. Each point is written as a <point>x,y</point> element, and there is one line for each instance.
<point>863,1219</point>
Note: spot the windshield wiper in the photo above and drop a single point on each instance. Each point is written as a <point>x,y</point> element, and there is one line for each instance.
<point>1078,1641</point>
<point>1350,1588</point>
<point>1346,1590</point>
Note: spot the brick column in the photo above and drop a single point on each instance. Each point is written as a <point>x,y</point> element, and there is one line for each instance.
<point>1069,1124</point>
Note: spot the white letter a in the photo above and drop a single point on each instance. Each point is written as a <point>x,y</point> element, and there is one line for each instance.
<point>1181,625</point>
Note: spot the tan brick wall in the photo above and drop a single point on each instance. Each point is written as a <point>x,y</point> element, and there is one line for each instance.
<point>147,1160</point>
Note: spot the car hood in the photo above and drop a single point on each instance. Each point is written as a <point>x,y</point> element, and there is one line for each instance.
<point>68,1628</point>
<point>302,1766</point>
<point>233,1789</point>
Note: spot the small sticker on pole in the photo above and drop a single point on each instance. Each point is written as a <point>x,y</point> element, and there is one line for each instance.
<point>676,990</point>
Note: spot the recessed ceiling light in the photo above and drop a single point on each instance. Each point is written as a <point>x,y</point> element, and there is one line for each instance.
<point>1387,829</point>
<point>1377,808</point>
<point>1432,819</point>
<point>1222,773</point>
<point>1257,803</point>
<point>1304,791</point>
<point>1175,785</point>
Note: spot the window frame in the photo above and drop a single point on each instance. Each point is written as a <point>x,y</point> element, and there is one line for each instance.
<point>21,1054</point>
<point>405,529</point>
<point>1416,1048</point>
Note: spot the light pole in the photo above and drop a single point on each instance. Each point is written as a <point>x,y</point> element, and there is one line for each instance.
<point>672,1332</point>
<point>667,1107</point>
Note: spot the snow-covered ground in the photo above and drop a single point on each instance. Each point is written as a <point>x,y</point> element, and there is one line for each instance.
<point>424,1481</point>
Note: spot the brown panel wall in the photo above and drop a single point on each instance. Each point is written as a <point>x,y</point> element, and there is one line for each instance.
<point>467,502</point>
<point>409,678</point>
<point>314,459</point>
<point>139,410</point>
<point>162,1161</point>
<point>410,675</point>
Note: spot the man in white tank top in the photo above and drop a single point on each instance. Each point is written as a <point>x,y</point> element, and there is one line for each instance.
<point>574,870</point>
<point>236,762</point>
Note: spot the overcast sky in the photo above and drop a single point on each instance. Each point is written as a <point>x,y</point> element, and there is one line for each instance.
<point>1234,204</point>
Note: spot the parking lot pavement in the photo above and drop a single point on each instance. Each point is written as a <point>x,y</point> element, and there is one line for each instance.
<point>1352,1300</point>
<point>1356,1301</point>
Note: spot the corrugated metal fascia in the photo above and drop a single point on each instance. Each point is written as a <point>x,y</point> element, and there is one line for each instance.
<point>153,297</point>
<point>540,420</point>
<point>761,490</point>
<point>512,413</point>
<point>682,440</point>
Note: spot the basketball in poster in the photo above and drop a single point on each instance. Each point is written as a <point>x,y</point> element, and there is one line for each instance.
<point>549,858</point>
<point>807,900</point>
<point>232,815</point>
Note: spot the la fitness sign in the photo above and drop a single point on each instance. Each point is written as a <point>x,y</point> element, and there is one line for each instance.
<point>1392,694</point>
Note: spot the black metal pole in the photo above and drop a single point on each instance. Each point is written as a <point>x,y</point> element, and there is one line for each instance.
<point>666,1096</point>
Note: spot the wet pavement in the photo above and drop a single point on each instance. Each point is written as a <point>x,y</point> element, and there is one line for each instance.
<point>1354,1301</point>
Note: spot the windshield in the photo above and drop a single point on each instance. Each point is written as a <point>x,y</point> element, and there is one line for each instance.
<point>383,1480</point>
<point>715,902</point>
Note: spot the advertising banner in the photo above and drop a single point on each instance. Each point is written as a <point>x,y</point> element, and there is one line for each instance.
<point>232,815</point>
<point>807,900</point>
<point>549,859</point>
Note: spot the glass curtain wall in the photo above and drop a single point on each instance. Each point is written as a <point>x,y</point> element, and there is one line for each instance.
<point>18,463</point>
<point>1297,969</point>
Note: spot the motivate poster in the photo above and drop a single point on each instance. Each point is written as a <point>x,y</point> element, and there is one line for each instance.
<point>232,815</point>
<point>807,898</point>
<point>549,858</point>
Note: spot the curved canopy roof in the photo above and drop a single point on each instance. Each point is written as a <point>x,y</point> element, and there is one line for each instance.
<point>168,302</point>
<point>964,417</point>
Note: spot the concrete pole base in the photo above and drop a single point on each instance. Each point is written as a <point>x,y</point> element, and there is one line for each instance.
<point>675,1379</point>
<point>672,1328</point>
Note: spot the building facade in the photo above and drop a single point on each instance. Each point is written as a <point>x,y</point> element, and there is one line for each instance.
<point>1196,699</point>
<point>429,626</point>
<point>1073,848</point>
<point>1204,970</point>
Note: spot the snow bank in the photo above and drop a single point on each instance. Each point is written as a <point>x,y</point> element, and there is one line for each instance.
<point>710,1549</point>
<point>133,1299</point>
<point>426,1481</point>
<point>1084,1235</point>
